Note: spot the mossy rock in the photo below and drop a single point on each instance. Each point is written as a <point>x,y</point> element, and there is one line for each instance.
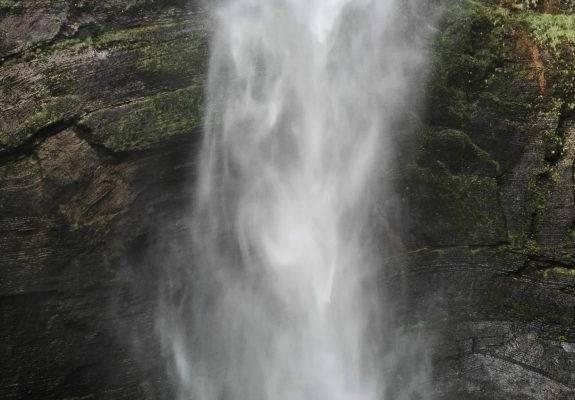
<point>490,56</point>
<point>549,30</point>
<point>20,188</point>
<point>10,5</point>
<point>54,110</point>
<point>143,123</point>
<point>454,150</point>
<point>163,51</point>
<point>186,57</point>
<point>462,59</point>
<point>124,66</point>
<point>455,209</point>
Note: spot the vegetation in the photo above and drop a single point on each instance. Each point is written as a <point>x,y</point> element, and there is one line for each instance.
<point>143,123</point>
<point>503,73</point>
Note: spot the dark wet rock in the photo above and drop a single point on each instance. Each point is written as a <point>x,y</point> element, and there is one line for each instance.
<point>99,111</point>
<point>491,271</point>
<point>143,123</point>
<point>100,108</point>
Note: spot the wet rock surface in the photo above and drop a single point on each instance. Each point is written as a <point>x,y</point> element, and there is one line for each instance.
<point>100,108</point>
<point>490,266</point>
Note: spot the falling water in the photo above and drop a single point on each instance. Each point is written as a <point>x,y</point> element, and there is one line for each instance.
<point>277,303</point>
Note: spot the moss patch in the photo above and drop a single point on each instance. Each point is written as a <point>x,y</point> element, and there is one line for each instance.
<point>456,208</point>
<point>472,68</point>
<point>139,61</point>
<point>557,272</point>
<point>455,150</point>
<point>160,49</point>
<point>52,111</point>
<point>466,52</point>
<point>185,57</point>
<point>10,5</point>
<point>553,38</point>
<point>549,30</point>
<point>143,123</point>
<point>501,73</point>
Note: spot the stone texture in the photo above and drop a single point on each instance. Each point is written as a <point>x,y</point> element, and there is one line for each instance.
<point>489,271</point>
<point>100,107</point>
<point>100,104</point>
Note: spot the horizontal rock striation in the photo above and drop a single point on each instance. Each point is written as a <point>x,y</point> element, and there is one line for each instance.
<point>487,184</point>
<point>100,111</point>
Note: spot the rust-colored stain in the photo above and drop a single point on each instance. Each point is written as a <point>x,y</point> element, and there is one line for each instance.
<point>548,6</point>
<point>530,50</point>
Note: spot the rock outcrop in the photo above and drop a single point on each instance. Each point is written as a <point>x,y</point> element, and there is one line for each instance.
<point>100,113</point>
<point>489,192</point>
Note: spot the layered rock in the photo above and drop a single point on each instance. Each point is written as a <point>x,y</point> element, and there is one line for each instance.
<point>100,109</point>
<point>100,112</point>
<point>489,193</point>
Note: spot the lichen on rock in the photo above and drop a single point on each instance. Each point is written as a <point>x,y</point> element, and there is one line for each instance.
<point>147,122</point>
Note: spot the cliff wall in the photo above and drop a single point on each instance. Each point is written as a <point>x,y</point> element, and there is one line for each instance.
<point>100,114</point>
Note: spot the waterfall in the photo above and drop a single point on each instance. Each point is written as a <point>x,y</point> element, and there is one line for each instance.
<point>278,302</point>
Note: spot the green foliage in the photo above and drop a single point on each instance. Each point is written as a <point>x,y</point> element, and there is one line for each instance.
<point>525,4</point>
<point>549,30</point>
<point>567,5</point>
<point>471,68</point>
<point>542,5</point>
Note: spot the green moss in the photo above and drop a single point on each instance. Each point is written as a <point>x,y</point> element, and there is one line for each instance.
<point>10,5</point>
<point>549,30</point>
<point>471,68</point>
<point>460,64</point>
<point>141,124</point>
<point>557,272</point>
<point>162,35</point>
<point>567,5</point>
<point>163,52</point>
<point>555,34</point>
<point>455,150</point>
<point>138,33</point>
<point>471,61</point>
<point>185,57</point>
<point>461,207</point>
<point>532,247</point>
<point>61,83</point>
<point>53,110</point>
<point>540,189</point>
<point>506,93</point>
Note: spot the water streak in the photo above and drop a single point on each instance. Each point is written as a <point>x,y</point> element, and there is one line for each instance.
<point>303,97</point>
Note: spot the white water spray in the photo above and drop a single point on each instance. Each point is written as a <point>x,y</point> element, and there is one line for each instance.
<point>277,305</point>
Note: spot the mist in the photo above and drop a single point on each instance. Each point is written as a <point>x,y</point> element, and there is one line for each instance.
<point>282,298</point>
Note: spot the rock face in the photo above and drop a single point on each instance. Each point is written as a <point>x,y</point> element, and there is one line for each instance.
<point>100,113</point>
<point>487,185</point>
<point>100,108</point>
